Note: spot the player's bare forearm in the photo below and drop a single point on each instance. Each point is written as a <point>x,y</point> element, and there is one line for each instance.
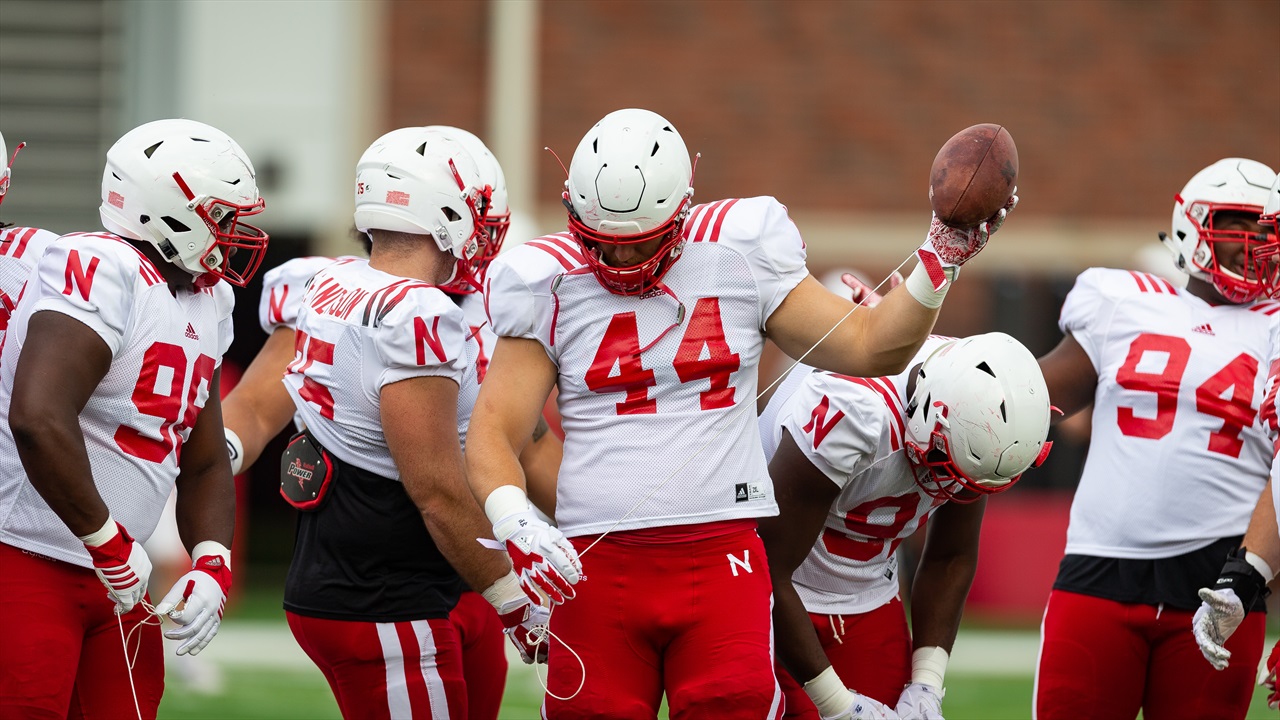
<point>1263,536</point>
<point>206,504</point>
<point>515,388</point>
<point>419,421</point>
<point>259,406</point>
<point>540,461</point>
<point>869,343</point>
<point>60,366</point>
<point>804,496</point>
<point>945,574</point>
<point>1070,376</point>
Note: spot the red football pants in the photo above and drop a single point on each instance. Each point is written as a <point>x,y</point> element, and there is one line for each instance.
<point>691,618</point>
<point>484,656</point>
<point>60,649</point>
<point>387,670</point>
<point>1102,659</point>
<point>871,652</point>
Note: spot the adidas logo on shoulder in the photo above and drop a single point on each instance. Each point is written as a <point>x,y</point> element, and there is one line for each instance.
<point>191,332</point>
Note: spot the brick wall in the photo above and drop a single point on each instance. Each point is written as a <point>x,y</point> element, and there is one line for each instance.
<point>841,105</point>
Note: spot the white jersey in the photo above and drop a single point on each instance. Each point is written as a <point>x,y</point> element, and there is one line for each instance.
<point>477,318</point>
<point>283,287</point>
<point>1178,455</point>
<point>1271,411</point>
<point>358,330</point>
<point>659,389</point>
<point>20,249</point>
<point>852,430</point>
<point>165,349</point>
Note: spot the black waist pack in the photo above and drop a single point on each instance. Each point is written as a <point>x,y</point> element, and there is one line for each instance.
<point>306,470</point>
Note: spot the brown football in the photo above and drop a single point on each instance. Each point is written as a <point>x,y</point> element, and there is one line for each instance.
<point>973,175</point>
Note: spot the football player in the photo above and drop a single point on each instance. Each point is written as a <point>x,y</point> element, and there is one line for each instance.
<point>649,315</point>
<point>380,377</point>
<point>1223,608</point>
<point>860,464</point>
<point>20,248</point>
<point>1177,461</point>
<point>260,407</point>
<point>109,390</point>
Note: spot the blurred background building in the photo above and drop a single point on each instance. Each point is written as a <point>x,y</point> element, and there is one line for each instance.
<point>836,108</point>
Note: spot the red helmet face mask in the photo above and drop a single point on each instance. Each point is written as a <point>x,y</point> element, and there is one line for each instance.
<point>643,276</point>
<point>237,241</point>
<point>470,275</point>
<point>1260,272</point>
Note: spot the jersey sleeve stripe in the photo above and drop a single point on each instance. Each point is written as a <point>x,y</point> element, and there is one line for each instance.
<point>382,312</point>
<point>898,428</point>
<point>18,243</point>
<point>706,220</point>
<point>369,312</point>
<point>551,250</point>
<point>724,212</point>
<point>1172,290</point>
<point>569,247</point>
<point>694,216</point>
<point>1155,282</point>
<point>1138,279</point>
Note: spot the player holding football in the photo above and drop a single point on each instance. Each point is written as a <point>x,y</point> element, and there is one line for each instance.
<point>1177,461</point>
<point>20,247</point>
<point>379,378</point>
<point>859,465</point>
<point>260,407</point>
<point>110,393</point>
<point>650,315</point>
<point>1222,608</point>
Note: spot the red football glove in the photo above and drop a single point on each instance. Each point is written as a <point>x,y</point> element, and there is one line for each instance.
<point>121,564</point>
<point>527,628</point>
<point>1268,679</point>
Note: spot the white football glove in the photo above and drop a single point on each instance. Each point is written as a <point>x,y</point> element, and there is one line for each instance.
<point>920,702</point>
<point>946,248</point>
<point>836,702</point>
<point>527,628</point>
<point>1218,616</point>
<point>540,556</point>
<point>203,595</point>
<point>120,563</point>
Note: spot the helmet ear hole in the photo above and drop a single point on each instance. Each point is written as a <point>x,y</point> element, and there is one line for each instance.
<point>152,150</point>
<point>175,225</point>
<point>451,214</point>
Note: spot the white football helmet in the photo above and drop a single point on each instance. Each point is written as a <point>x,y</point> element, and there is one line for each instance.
<point>497,214</point>
<point>1230,185</point>
<point>414,180</point>
<point>630,182</point>
<point>185,187</point>
<point>978,417</point>
<point>1270,220</point>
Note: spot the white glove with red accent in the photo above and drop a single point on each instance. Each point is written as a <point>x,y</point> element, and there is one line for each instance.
<point>920,702</point>
<point>120,563</point>
<point>946,248</point>
<point>202,593</point>
<point>836,702</point>
<point>544,561</point>
<point>1267,677</point>
<point>527,628</point>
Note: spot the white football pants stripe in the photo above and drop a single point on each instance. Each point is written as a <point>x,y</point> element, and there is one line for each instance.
<point>397,682</point>
<point>430,670</point>
<point>1035,683</point>
<point>775,710</point>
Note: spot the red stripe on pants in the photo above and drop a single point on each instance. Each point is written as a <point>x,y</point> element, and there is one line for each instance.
<point>1103,660</point>
<point>372,678</point>
<point>60,651</point>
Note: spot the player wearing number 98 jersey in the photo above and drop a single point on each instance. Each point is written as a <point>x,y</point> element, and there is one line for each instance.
<point>1176,463</point>
<point>109,390</point>
<point>649,316</point>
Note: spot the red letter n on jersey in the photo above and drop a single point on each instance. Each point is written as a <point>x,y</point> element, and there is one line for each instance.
<point>818,423</point>
<point>78,277</point>
<point>424,339</point>
<point>275,310</point>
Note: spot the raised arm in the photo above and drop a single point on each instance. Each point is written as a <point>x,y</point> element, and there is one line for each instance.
<point>259,406</point>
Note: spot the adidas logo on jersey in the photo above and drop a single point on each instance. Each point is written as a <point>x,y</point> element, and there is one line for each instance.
<point>191,332</point>
<point>746,492</point>
<point>1205,329</point>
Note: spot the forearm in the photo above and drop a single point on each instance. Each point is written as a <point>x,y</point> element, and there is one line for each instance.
<point>893,331</point>
<point>493,460</point>
<point>540,461</point>
<point>53,455</point>
<point>456,522</point>
<point>797,646</point>
<point>260,407</point>
<point>206,507</point>
<point>937,599</point>
<point>1263,536</point>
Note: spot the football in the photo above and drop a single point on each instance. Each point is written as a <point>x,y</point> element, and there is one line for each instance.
<point>973,175</point>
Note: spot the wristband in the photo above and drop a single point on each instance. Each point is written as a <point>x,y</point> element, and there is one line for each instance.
<point>506,500</point>
<point>211,547</point>
<point>235,449</point>
<point>102,535</point>
<point>828,693</point>
<point>928,666</point>
<point>920,285</point>
<point>1244,578</point>
<point>1263,568</point>
<point>505,594</point>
